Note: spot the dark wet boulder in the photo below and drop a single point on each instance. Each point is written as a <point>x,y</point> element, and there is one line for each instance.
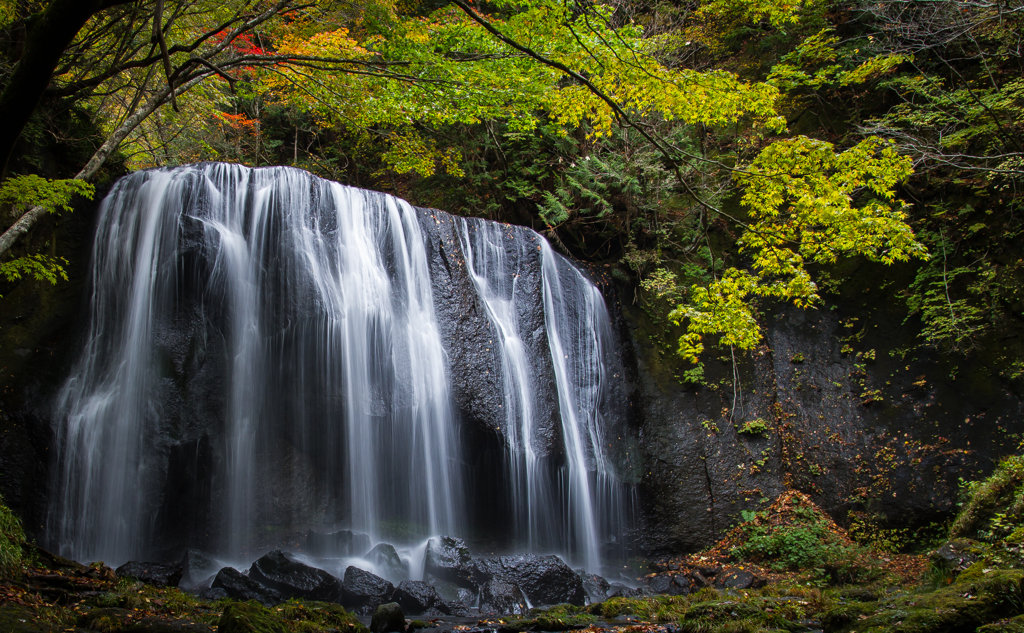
<point>738,579</point>
<point>293,579</point>
<point>545,580</point>
<point>210,593</point>
<point>157,574</point>
<point>388,618</point>
<point>448,558</point>
<point>416,597</point>
<point>205,591</point>
<point>363,591</point>
<point>498,597</point>
<point>666,585</point>
<point>386,558</point>
<point>337,544</point>
<point>618,590</point>
<point>453,608</point>
<point>196,567</point>
<point>240,587</point>
<point>595,586</point>
<point>698,580</point>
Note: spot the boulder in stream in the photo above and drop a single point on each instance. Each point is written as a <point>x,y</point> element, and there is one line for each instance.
<point>388,618</point>
<point>240,587</point>
<point>545,580</point>
<point>417,597</point>
<point>196,567</point>
<point>498,597</point>
<point>363,591</point>
<point>385,557</point>
<point>448,558</point>
<point>293,579</point>
<point>596,587</point>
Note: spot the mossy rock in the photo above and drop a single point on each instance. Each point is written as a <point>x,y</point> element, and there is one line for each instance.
<point>109,620</point>
<point>838,617</point>
<point>549,622</point>
<point>963,606</point>
<point>15,618</point>
<point>1002,491</point>
<point>723,610</point>
<point>314,616</point>
<point>859,594</point>
<point>560,609</point>
<point>251,617</point>
<point>975,572</point>
<point>1012,625</point>
<point>654,607</point>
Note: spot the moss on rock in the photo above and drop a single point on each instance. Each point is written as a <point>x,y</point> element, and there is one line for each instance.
<point>15,618</point>
<point>1011,625</point>
<point>11,539</point>
<point>995,504</point>
<point>251,617</point>
<point>963,606</point>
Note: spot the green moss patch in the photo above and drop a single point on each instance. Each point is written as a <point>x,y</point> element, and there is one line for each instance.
<point>251,617</point>
<point>995,506</point>
<point>963,606</point>
<point>11,539</point>
<point>294,616</point>
<point>1007,625</point>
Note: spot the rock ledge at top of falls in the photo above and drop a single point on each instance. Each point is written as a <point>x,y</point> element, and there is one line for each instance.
<point>293,579</point>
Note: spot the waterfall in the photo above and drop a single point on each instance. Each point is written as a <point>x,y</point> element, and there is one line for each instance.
<point>576,323</point>
<point>289,324</point>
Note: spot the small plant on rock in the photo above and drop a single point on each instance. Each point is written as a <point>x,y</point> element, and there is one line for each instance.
<point>757,426</point>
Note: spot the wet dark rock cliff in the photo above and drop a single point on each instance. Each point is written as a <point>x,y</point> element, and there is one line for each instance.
<point>853,412</point>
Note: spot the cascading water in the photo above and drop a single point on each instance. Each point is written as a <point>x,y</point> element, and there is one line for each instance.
<point>280,331</point>
<point>564,511</point>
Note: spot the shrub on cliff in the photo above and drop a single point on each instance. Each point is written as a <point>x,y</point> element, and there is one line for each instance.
<point>11,538</point>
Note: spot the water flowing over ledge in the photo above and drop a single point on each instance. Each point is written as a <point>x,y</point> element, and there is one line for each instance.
<point>269,352</point>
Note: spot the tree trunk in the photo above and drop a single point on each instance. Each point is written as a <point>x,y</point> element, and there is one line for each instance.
<point>49,34</point>
<point>30,217</point>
